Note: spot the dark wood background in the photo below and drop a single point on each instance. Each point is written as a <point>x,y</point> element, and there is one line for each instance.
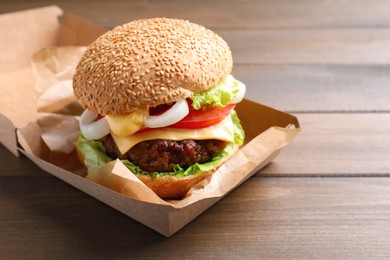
<point>326,196</point>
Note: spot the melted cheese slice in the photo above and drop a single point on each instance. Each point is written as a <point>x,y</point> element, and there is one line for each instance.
<point>127,124</point>
<point>221,131</point>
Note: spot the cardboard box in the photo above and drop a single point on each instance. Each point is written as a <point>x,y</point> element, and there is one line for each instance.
<point>45,132</point>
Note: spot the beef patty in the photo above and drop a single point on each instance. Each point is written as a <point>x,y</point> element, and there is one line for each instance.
<point>162,155</point>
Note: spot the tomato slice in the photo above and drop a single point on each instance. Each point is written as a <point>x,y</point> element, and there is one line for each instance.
<point>195,118</point>
<point>203,118</point>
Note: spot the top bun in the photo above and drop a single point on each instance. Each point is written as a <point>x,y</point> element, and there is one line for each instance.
<point>149,62</point>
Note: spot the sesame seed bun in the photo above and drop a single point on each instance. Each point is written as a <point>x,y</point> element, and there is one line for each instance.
<point>149,62</point>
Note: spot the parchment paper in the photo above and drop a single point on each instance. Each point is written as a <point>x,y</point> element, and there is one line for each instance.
<point>24,33</point>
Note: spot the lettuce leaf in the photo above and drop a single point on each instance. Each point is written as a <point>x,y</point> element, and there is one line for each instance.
<point>93,151</point>
<point>217,96</point>
<point>95,155</point>
<point>239,133</point>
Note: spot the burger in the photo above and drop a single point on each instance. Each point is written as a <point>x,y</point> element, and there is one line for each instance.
<point>158,94</point>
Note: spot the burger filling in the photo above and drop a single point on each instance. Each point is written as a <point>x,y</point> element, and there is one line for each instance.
<point>163,155</point>
<point>96,155</point>
<point>155,143</point>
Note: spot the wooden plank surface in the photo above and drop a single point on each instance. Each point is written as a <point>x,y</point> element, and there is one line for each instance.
<point>303,218</point>
<point>318,88</point>
<point>228,14</point>
<point>333,144</point>
<point>309,46</point>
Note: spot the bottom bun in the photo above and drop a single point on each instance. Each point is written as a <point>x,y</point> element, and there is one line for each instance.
<point>169,187</point>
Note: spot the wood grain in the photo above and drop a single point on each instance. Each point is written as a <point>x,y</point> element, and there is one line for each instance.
<point>227,14</point>
<point>309,46</point>
<point>306,46</point>
<point>318,88</point>
<point>308,218</point>
<point>337,145</point>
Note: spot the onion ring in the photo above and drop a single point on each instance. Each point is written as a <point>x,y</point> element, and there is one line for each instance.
<point>176,113</point>
<point>92,129</point>
<point>239,96</point>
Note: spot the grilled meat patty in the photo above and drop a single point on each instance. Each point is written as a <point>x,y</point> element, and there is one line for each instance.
<point>162,155</point>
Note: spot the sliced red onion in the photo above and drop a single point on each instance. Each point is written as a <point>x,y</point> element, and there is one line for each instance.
<point>176,113</point>
<point>239,96</point>
<point>92,129</point>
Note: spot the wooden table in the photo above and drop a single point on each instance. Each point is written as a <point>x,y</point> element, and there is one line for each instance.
<point>326,196</point>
